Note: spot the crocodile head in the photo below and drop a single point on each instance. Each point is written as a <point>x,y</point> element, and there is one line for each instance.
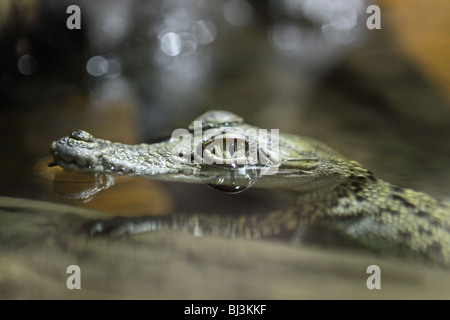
<point>218,148</point>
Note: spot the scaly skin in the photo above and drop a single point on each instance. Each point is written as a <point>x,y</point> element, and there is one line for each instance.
<point>331,190</point>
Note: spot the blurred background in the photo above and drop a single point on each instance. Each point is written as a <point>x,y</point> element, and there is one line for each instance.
<point>137,70</point>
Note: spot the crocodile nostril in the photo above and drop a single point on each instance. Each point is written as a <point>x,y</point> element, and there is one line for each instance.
<point>82,136</point>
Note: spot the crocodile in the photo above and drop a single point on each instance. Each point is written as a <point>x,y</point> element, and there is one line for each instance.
<point>331,191</point>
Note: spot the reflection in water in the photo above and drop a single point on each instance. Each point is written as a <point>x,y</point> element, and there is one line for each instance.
<point>291,220</point>
<point>74,185</point>
<point>84,186</point>
<point>83,190</point>
<point>116,195</point>
<point>249,221</point>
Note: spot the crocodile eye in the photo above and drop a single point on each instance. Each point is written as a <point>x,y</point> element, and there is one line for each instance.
<point>226,149</point>
<point>235,148</point>
<point>81,136</point>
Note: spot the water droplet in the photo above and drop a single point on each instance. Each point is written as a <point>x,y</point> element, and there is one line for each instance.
<point>235,181</point>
